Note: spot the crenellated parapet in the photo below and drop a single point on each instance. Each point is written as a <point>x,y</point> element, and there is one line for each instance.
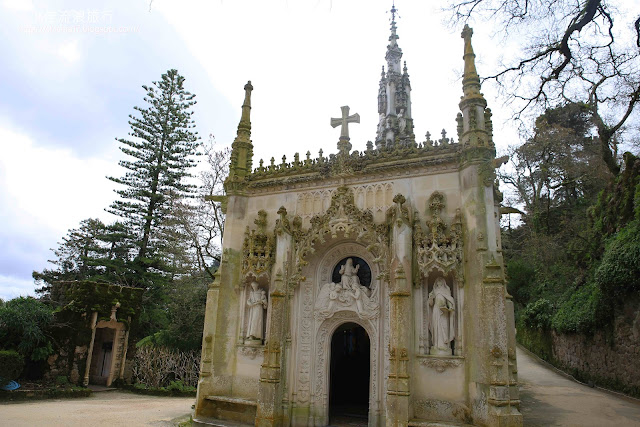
<point>356,162</point>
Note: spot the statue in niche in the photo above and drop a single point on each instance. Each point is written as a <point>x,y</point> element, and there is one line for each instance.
<point>402,122</point>
<point>349,294</point>
<point>257,303</point>
<point>441,325</point>
<point>349,275</point>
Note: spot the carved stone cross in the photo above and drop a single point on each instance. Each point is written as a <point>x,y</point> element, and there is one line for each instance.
<point>344,122</point>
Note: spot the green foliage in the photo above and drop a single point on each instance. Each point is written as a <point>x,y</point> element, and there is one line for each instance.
<point>180,387</point>
<point>537,341</point>
<point>520,274</point>
<point>579,245</point>
<point>24,323</point>
<point>162,151</point>
<point>537,314</point>
<point>619,272</point>
<point>11,365</point>
<point>182,322</point>
<point>62,380</point>
<point>579,312</point>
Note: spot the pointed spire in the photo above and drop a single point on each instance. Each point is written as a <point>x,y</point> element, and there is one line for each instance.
<point>393,37</point>
<point>241,160</point>
<point>472,127</point>
<point>245,120</point>
<point>470,79</point>
<point>394,53</point>
<point>394,96</point>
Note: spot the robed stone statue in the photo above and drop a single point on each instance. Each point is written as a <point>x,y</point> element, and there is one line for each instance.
<point>257,303</point>
<point>441,324</point>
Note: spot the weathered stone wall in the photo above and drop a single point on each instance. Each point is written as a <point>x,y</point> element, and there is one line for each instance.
<point>607,358</point>
<point>62,363</point>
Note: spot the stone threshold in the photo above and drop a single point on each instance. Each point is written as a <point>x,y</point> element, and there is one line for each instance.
<point>425,423</point>
<point>235,400</point>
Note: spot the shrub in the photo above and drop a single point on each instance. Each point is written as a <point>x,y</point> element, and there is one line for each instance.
<point>157,367</point>
<point>11,365</point>
<point>619,272</point>
<point>24,323</point>
<point>522,278</point>
<point>578,313</point>
<point>537,314</point>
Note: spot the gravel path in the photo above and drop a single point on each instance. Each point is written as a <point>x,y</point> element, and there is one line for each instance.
<point>111,408</point>
<point>548,399</point>
<point>553,399</point>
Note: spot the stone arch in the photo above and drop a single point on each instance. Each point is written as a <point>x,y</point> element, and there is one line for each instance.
<point>322,363</point>
<point>343,220</point>
<point>340,250</point>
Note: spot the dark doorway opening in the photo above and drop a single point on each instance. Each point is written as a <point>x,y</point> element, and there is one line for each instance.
<point>102,355</point>
<point>349,375</point>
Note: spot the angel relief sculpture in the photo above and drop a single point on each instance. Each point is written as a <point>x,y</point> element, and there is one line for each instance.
<point>349,294</point>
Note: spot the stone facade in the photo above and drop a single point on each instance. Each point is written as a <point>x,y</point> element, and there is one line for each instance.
<point>399,243</point>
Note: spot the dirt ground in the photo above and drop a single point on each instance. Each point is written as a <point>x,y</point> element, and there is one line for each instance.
<point>548,399</point>
<point>551,399</point>
<point>109,408</point>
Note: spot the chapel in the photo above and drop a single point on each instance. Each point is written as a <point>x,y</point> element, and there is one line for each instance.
<point>364,288</point>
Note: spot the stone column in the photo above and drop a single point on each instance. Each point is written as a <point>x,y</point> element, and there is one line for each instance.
<point>94,322</point>
<point>221,315</point>
<point>270,391</point>
<point>486,309</point>
<point>400,320</point>
<point>399,343</point>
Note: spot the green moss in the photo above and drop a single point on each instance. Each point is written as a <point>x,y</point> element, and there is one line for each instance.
<point>536,341</point>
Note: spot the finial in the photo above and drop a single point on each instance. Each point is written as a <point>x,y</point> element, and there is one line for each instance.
<point>382,75</point>
<point>240,164</point>
<point>404,69</point>
<point>393,11</point>
<point>470,79</point>
<point>393,37</point>
<point>246,106</point>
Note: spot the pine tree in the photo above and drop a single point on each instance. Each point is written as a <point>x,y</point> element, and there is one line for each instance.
<point>162,147</point>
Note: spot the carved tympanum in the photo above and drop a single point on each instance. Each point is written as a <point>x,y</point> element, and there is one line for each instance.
<point>349,294</point>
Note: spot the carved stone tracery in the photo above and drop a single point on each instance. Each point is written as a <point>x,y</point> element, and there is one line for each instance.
<point>343,218</point>
<point>258,248</point>
<point>439,247</point>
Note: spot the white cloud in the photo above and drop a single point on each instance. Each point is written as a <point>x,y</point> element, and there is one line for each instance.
<point>69,51</point>
<point>20,5</point>
<point>43,193</point>
<point>13,287</point>
<point>51,187</point>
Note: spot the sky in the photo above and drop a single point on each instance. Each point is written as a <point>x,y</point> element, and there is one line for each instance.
<point>73,70</point>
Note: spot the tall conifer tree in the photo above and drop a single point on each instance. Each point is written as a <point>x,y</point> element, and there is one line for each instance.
<point>162,147</point>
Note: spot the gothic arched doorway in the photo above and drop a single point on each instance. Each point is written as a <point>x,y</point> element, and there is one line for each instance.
<point>349,374</point>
